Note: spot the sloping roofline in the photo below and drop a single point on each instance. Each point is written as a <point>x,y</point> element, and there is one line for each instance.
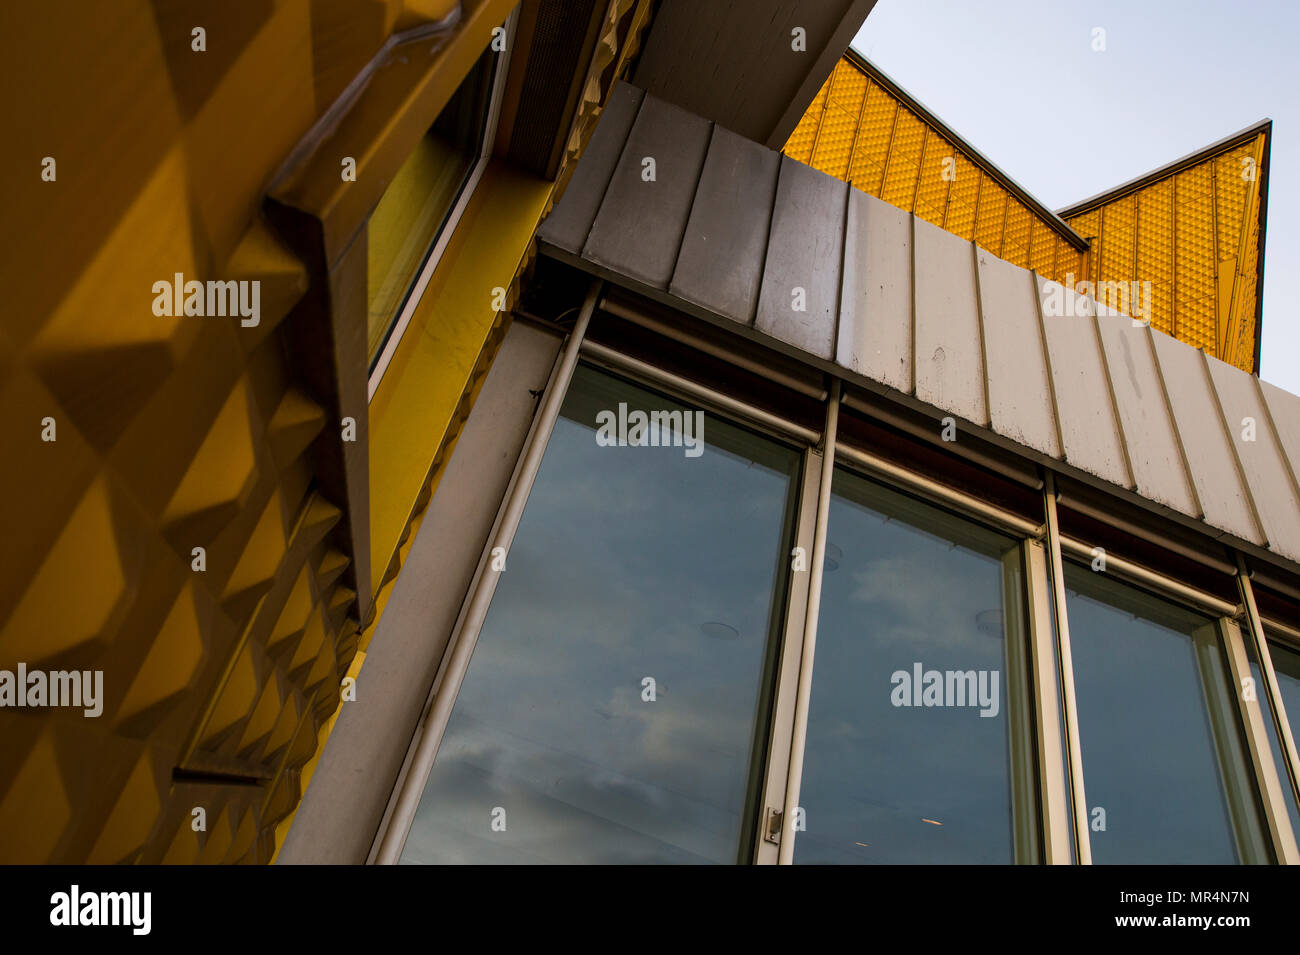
<point>1238,138</point>
<point>877,75</point>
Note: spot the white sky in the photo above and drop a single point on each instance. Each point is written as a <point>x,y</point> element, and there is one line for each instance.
<point>1019,80</point>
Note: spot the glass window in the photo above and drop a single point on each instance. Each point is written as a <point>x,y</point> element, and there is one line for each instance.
<point>1165,774</point>
<point>418,204</point>
<point>1286,666</point>
<point>918,746</point>
<point>642,556</point>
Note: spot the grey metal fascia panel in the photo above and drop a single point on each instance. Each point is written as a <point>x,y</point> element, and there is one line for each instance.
<point>720,264</point>
<point>800,297</point>
<point>638,229</point>
<point>570,221</point>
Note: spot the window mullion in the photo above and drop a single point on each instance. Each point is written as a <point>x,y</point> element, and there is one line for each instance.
<point>1052,763</point>
<point>1261,755</point>
<point>785,853</point>
<point>1083,846</point>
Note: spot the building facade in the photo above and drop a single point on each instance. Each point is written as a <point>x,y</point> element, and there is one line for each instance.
<point>625,457</point>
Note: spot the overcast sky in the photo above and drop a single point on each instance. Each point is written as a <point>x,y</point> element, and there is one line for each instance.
<point>1019,80</point>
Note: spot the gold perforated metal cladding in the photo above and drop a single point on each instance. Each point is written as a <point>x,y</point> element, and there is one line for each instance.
<point>856,130</point>
<point>1190,240</point>
<point>1194,237</point>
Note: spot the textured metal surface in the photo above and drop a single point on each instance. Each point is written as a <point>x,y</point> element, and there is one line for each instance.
<point>1074,383</point>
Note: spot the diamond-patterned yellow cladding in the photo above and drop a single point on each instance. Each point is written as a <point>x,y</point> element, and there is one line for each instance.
<point>1188,239</point>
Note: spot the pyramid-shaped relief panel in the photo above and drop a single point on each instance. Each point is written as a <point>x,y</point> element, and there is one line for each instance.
<point>332,565</point>
<point>263,720</point>
<point>102,390</point>
<point>243,129</point>
<point>291,715</point>
<point>184,847</point>
<point>169,668</point>
<point>220,473</point>
<point>132,818</point>
<point>305,738</point>
<point>296,422</point>
<point>36,807</point>
<point>309,650</point>
<point>341,600</point>
<point>324,670</point>
<point>255,570</point>
<point>220,838</point>
<point>78,590</point>
<point>235,702</point>
<point>245,835</point>
<point>284,796</point>
<point>280,281</point>
<point>105,112</point>
<point>112,303</point>
<point>294,614</point>
<point>319,520</point>
<point>44,482</point>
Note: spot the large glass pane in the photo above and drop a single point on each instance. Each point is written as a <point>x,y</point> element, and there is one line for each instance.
<point>632,563</point>
<point>1286,666</point>
<point>1164,769</point>
<point>918,743</point>
<point>417,203</point>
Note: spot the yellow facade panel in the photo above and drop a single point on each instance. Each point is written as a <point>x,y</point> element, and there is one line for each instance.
<point>903,168</point>
<point>990,216</point>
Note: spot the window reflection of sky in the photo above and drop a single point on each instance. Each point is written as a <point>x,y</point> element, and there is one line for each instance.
<point>622,556</point>
<point>1147,744</point>
<point>875,773</point>
<point>1286,667</point>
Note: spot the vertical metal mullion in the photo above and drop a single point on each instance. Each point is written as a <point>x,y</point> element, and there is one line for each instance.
<point>778,758</point>
<point>466,631</point>
<point>1257,746</point>
<point>799,731</point>
<point>1083,845</point>
<point>1053,788</point>
<point>1259,641</point>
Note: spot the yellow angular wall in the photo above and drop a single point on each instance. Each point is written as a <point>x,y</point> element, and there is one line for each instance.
<point>220,686</point>
<point>171,433</point>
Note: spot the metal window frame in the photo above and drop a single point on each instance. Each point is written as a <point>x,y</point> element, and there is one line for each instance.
<point>1062,805</point>
<point>428,736</point>
<point>1226,617</point>
<point>483,156</point>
